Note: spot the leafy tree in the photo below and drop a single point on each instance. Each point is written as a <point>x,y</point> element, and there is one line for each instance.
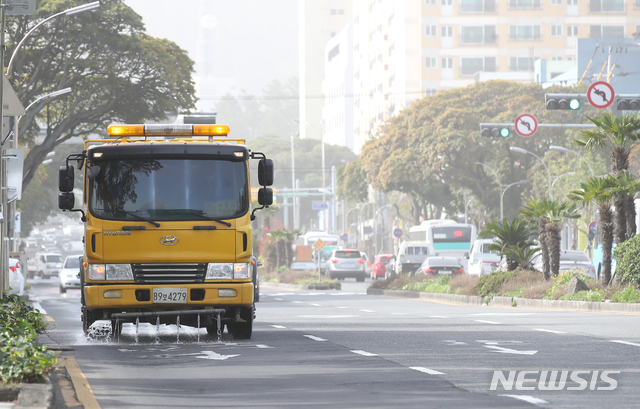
<point>627,186</point>
<point>508,237</point>
<point>599,190</point>
<point>616,134</point>
<point>115,70</point>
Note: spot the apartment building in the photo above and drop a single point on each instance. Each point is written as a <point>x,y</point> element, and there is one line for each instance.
<point>404,50</point>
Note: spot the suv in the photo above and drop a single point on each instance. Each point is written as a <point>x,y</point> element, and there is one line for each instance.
<point>346,263</point>
<point>48,264</point>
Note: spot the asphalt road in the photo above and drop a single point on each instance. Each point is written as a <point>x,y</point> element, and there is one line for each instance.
<point>347,349</point>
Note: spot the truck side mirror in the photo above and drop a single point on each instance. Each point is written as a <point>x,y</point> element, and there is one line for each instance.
<point>265,196</point>
<point>265,172</point>
<point>466,255</point>
<point>65,178</point>
<point>66,200</point>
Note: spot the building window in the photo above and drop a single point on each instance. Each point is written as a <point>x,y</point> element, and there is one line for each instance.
<point>571,58</point>
<point>556,2</point>
<point>556,30</point>
<point>429,2</point>
<point>606,6</point>
<point>429,92</point>
<point>477,6</point>
<point>572,31</point>
<point>478,35</point>
<point>430,62</point>
<point>337,12</point>
<point>598,31</point>
<point>447,63</point>
<point>524,4</point>
<point>520,64</point>
<point>558,58</point>
<point>430,31</point>
<point>446,2</point>
<point>636,4</point>
<point>470,66</point>
<point>521,33</point>
<point>572,2</point>
<point>446,31</point>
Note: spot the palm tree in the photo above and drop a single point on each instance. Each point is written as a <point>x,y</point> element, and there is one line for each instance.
<point>628,185</point>
<point>599,190</point>
<point>508,236</point>
<point>549,215</point>
<point>522,255</point>
<point>617,134</point>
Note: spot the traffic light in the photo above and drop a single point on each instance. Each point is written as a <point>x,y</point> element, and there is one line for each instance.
<point>628,104</point>
<point>494,132</point>
<point>566,102</point>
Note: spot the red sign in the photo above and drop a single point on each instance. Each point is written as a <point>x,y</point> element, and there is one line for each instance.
<point>600,94</point>
<point>526,125</point>
<point>457,233</point>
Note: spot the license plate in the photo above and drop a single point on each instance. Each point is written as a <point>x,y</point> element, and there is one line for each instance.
<point>170,295</point>
<point>348,265</point>
<point>445,272</point>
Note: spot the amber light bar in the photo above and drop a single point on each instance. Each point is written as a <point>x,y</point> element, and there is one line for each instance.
<point>123,131</point>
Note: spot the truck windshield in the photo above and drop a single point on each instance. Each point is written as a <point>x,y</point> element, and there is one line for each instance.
<point>169,189</point>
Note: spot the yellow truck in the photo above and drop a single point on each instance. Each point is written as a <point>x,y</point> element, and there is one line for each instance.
<point>167,215</point>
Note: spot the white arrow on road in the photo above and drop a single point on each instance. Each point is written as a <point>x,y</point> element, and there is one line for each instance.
<point>214,355</point>
<point>510,351</point>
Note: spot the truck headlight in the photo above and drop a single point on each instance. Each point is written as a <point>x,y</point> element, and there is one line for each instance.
<point>241,271</point>
<point>219,271</point>
<point>119,272</point>
<point>111,272</point>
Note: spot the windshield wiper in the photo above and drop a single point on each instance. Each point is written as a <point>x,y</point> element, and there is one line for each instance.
<point>210,218</point>
<point>143,218</point>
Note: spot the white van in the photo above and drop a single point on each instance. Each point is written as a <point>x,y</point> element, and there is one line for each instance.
<point>411,254</point>
<point>481,260</point>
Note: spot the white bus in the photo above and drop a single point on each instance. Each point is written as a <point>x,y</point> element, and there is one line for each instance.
<point>449,238</point>
<point>329,239</point>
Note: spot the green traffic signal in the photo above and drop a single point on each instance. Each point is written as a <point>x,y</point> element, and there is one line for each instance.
<point>504,132</point>
<point>574,104</point>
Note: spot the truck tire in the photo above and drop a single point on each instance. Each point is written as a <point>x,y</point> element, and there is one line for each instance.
<point>242,330</point>
<point>62,289</point>
<point>87,320</point>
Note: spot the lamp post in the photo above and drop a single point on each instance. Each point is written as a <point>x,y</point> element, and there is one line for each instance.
<point>503,189</point>
<point>68,12</point>
<point>563,149</point>
<point>40,98</point>
<point>520,150</point>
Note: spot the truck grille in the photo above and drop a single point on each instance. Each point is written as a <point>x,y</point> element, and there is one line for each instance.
<point>169,273</point>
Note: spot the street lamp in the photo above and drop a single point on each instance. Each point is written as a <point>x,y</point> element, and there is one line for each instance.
<point>556,178</point>
<point>40,98</point>
<point>503,189</point>
<point>68,12</point>
<point>520,150</point>
<point>563,149</point>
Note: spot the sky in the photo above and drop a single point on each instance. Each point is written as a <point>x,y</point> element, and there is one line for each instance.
<point>254,41</point>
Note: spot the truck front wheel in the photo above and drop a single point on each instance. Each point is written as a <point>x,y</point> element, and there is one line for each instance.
<point>87,320</point>
<point>242,330</point>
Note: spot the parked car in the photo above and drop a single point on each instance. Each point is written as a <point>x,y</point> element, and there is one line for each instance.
<point>379,267</point>
<point>571,259</point>
<point>346,263</point>
<point>16,279</point>
<point>69,274</point>
<point>411,254</point>
<point>48,264</point>
<point>440,265</point>
<point>481,260</point>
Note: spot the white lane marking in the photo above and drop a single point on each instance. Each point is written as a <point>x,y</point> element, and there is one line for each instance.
<point>487,322</point>
<point>315,305</point>
<point>366,311</point>
<point>279,326</point>
<point>626,343</point>
<point>426,370</point>
<point>327,316</point>
<point>399,313</point>
<point>549,330</point>
<point>527,398</point>
<point>263,346</point>
<point>280,294</point>
<point>38,307</point>
<point>454,342</point>
<point>364,353</point>
<point>510,351</point>
<point>437,316</point>
<point>297,302</point>
<point>279,299</point>
<point>343,308</point>
<point>215,356</point>
<point>342,294</point>
<point>505,314</point>
<point>313,337</point>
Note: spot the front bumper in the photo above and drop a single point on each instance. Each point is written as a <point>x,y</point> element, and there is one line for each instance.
<point>135,296</point>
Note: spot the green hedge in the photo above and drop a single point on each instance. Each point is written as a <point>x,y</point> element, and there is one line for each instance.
<point>627,257</point>
<point>22,358</point>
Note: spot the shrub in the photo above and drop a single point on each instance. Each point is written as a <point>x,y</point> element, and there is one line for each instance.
<point>464,284</point>
<point>22,358</point>
<point>438,285</point>
<point>591,295</point>
<point>629,294</point>
<point>627,257</point>
<point>491,283</point>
